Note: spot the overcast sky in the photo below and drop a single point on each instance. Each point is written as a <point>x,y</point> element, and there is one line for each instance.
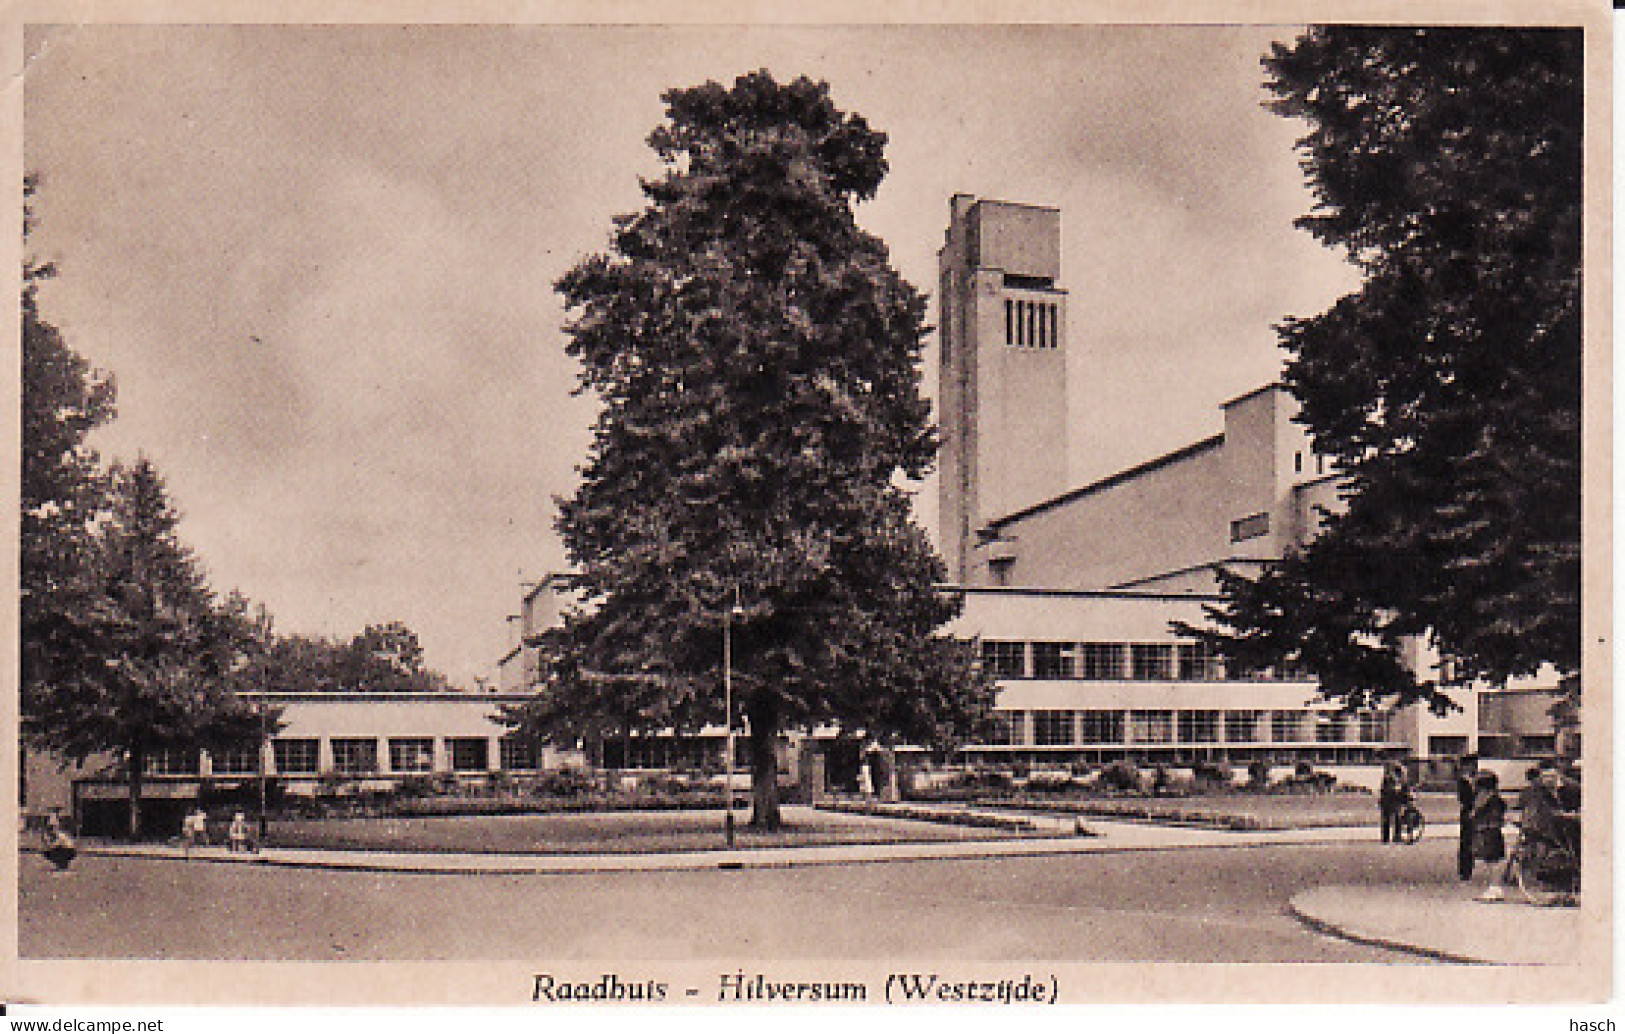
<point>319,261</point>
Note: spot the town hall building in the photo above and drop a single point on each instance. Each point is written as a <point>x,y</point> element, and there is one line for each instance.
<point>1073,591</point>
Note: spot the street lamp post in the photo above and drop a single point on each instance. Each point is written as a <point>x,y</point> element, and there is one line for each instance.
<point>265,735</point>
<point>728,719</point>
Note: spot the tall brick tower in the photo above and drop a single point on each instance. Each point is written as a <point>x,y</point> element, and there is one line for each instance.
<point>1002,395</point>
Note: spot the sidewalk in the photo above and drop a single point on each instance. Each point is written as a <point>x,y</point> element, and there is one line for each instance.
<point>1444,923</point>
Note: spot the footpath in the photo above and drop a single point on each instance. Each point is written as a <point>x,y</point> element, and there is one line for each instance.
<point>1443,923</point>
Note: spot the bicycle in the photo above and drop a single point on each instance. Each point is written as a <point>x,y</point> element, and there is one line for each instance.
<point>1545,871</point>
<point>1410,823</point>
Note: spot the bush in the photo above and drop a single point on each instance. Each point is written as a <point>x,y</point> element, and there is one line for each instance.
<point>1212,774</point>
<point>666,783</point>
<point>1258,774</point>
<point>415,786</point>
<point>566,782</point>
<point>1120,776</point>
<point>1049,782</point>
<point>983,779</point>
<point>1305,779</point>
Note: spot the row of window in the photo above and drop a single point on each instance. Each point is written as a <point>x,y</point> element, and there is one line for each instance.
<point>356,755</point>
<point>1058,728</point>
<point>1032,324</point>
<point>1162,662</point>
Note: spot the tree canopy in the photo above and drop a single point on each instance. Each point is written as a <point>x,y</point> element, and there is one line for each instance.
<point>1446,163</point>
<point>757,359</point>
<point>385,658</point>
<point>63,490</point>
<point>164,650</point>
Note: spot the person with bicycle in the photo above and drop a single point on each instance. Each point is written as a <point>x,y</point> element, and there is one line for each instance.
<point>1546,863</point>
<point>1544,817</point>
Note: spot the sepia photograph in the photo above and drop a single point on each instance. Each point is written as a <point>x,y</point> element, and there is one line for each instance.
<point>814,511</point>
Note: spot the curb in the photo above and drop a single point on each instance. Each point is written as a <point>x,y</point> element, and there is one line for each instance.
<point>566,865</point>
<point>1327,928</point>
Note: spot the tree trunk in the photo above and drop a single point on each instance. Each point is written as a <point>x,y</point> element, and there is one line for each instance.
<point>137,762</point>
<point>764,767</point>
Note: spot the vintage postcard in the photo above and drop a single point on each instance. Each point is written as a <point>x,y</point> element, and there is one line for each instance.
<point>757,505</point>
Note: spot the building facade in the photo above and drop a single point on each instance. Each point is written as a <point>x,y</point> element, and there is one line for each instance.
<point>1002,334</point>
<point>1074,592</point>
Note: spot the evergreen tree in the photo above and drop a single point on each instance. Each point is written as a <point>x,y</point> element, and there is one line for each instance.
<point>756,355</point>
<point>1446,163</point>
<point>165,652</point>
<point>63,490</point>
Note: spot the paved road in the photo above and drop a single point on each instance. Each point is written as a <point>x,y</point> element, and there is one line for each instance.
<point>1193,904</point>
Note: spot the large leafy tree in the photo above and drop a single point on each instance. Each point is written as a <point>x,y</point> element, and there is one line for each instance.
<point>1446,163</point>
<point>164,651</point>
<point>63,490</point>
<point>756,355</point>
<point>385,658</point>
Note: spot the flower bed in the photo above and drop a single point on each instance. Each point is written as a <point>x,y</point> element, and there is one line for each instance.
<point>950,818</point>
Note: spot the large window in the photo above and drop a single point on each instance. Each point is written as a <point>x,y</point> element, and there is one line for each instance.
<point>235,761</point>
<point>1153,661</point>
<point>1250,527</point>
<point>1198,662</point>
<point>1198,726</point>
<point>1151,726</point>
<point>1329,728</point>
<point>518,754</point>
<point>175,761</point>
<point>295,757</point>
<point>1052,660</point>
<point>470,754</point>
<point>1101,660</point>
<point>1373,727</point>
<point>1241,726</point>
<point>1053,728</point>
<point>1005,660</point>
<point>1447,746</point>
<point>412,754</point>
<point>355,756</point>
<point>1100,727</point>
<point>1286,726</point>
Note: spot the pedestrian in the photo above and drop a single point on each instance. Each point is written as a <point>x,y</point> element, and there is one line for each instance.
<point>866,780</point>
<point>1390,800</point>
<point>237,837</point>
<point>1545,814</point>
<point>1489,843</point>
<point>1466,792</point>
<point>59,846</point>
<point>194,830</point>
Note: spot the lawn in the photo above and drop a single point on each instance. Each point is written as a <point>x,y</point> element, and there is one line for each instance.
<point>607,832</point>
<point>1242,810</point>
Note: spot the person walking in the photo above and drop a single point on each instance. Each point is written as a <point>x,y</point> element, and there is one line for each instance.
<point>1489,843</point>
<point>194,830</point>
<point>59,846</point>
<point>1466,793</point>
<point>1390,799</point>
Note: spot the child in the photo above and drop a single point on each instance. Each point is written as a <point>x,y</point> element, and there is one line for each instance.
<point>238,837</point>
